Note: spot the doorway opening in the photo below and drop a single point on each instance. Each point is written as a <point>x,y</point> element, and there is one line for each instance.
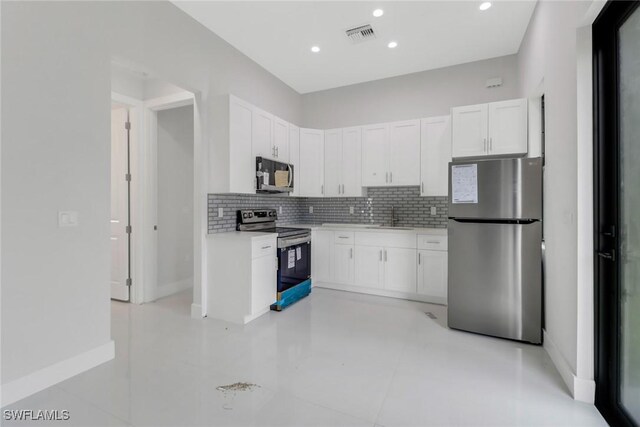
<point>154,218</point>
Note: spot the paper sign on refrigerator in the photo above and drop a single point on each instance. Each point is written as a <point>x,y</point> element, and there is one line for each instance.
<point>464,183</point>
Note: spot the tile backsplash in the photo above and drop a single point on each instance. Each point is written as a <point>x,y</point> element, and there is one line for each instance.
<point>411,210</point>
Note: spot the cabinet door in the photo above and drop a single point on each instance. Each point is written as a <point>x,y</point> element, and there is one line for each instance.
<point>263,282</point>
<point>404,153</point>
<point>262,134</point>
<point>333,162</point>
<point>321,255</point>
<point>400,269</point>
<point>352,162</point>
<point>432,274</point>
<point>343,264</point>
<point>294,157</point>
<point>242,164</point>
<point>281,140</point>
<point>311,163</point>
<point>469,130</point>
<point>375,155</point>
<point>369,266</point>
<point>435,154</point>
<point>508,127</point>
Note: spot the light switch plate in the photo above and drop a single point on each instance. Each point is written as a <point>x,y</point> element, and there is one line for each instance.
<point>220,212</point>
<point>352,210</point>
<point>310,209</point>
<point>67,218</point>
<point>434,211</point>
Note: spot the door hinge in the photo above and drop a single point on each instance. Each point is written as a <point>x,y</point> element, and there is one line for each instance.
<point>127,125</point>
<point>127,177</point>
<point>128,281</point>
<point>128,229</point>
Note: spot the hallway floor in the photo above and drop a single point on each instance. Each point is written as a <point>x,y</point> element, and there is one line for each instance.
<point>333,359</point>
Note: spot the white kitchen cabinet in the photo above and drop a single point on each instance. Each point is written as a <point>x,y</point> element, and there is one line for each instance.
<point>333,162</point>
<point>391,154</point>
<point>241,164</point>
<point>352,162</point>
<point>262,134</point>
<point>321,255</point>
<point>280,149</point>
<point>508,127</point>
<point>400,269</point>
<point>494,129</point>
<point>342,162</point>
<point>311,162</point>
<point>435,155</point>
<point>375,152</point>
<point>469,130</point>
<point>432,275</point>
<point>343,264</point>
<point>369,266</point>
<point>404,153</point>
<point>294,157</point>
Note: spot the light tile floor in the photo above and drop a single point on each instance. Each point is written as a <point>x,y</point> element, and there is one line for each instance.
<point>333,359</point>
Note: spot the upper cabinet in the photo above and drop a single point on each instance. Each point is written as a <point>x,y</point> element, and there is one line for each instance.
<point>435,155</point>
<point>311,181</point>
<point>280,147</point>
<point>294,157</point>
<point>342,162</point>
<point>391,154</point>
<point>494,129</point>
<point>262,140</point>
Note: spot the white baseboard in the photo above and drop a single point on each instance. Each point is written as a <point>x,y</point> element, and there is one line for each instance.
<point>173,288</point>
<point>581,389</point>
<point>382,293</point>
<point>196,311</point>
<point>37,381</point>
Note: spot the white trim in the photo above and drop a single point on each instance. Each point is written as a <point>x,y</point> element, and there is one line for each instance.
<point>579,388</point>
<point>58,372</point>
<point>173,288</point>
<point>181,99</point>
<point>382,293</point>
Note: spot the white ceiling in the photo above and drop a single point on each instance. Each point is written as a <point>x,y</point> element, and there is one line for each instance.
<point>278,35</point>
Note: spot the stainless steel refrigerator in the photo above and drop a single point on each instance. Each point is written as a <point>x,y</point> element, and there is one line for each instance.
<point>495,254</point>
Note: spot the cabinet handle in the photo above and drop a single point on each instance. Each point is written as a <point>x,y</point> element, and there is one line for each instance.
<point>385,255</point>
<point>490,144</point>
<point>277,151</point>
<point>390,176</point>
<point>386,177</point>
<point>273,151</point>
<point>339,189</point>
<point>419,258</point>
<point>266,247</point>
<point>351,253</point>
<point>422,187</point>
<point>380,254</point>
<point>484,144</point>
<point>322,189</point>
<point>343,237</point>
<point>342,188</point>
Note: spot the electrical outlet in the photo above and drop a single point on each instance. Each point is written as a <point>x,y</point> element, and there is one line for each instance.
<point>310,209</point>
<point>434,211</point>
<point>220,212</point>
<point>352,210</point>
<point>279,210</point>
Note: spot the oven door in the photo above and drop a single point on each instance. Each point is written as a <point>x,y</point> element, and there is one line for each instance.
<point>294,262</point>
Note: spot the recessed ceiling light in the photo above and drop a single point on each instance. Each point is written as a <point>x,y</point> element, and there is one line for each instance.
<point>315,49</point>
<point>378,13</point>
<point>485,5</point>
<point>391,45</point>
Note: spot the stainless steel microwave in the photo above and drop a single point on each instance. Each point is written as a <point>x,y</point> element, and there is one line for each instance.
<point>273,176</point>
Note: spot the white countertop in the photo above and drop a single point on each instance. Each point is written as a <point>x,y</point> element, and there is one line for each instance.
<point>372,228</point>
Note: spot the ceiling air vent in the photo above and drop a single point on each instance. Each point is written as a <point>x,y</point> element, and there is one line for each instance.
<point>361,33</point>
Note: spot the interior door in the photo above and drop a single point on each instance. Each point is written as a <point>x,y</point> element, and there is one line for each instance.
<point>375,155</point>
<point>119,204</point>
<point>352,162</point>
<point>616,44</point>
<point>404,153</point>
<point>333,162</point>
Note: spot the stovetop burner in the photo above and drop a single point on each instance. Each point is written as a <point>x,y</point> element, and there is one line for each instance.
<point>264,220</point>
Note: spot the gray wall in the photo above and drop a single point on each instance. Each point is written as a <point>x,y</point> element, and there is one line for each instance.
<point>411,210</point>
<point>56,100</point>
<point>175,198</point>
<point>412,96</point>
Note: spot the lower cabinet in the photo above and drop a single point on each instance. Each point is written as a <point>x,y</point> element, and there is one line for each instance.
<point>398,265</point>
<point>432,274</point>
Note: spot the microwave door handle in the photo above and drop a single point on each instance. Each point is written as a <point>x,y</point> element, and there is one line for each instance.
<point>290,174</point>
